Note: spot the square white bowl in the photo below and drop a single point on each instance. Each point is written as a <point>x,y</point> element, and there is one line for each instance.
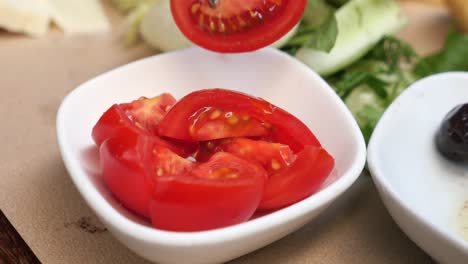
<point>267,73</point>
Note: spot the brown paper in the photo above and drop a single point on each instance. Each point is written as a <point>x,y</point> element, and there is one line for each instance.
<point>40,200</point>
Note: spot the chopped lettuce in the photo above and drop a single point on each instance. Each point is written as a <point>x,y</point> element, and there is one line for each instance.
<point>361,25</point>
<point>318,29</point>
<point>369,85</point>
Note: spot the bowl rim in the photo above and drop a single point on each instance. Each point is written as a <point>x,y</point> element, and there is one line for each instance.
<point>170,238</point>
<point>378,174</point>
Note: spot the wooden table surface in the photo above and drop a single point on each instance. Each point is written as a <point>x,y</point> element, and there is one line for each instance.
<point>41,202</point>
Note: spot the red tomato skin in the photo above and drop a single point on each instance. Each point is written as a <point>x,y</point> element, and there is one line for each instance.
<point>123,169</point>
<point>115,123</point>
<point>259,36</point>
<point>303,178</point>
<point>286,129</point>
<point>139,116</point>
<point>196,202</point>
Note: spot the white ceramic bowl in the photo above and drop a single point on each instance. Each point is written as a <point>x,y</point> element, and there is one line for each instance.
<point>268,73</point>
<point>424,192</point>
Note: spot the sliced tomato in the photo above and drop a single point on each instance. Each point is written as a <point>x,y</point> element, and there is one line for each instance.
<point>146,113</point>
<point>279,126</point>
<point>273,157</point>
<point>303,178</point>
<point>224,191</point>
<point>236,25</point>
<point>141,116</point>
<point>125,173</point>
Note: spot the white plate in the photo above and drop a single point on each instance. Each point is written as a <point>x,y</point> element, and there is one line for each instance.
<point>268,73</point>
<point>424,192</point>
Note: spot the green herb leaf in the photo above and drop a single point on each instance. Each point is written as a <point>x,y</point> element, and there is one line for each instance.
<point>318,29</point>
<point>317,13</point>
<point>393,52</point>
<point>453,57</point>
<point>369,117</point>
<point>369,85</point>
<point>324,38</point>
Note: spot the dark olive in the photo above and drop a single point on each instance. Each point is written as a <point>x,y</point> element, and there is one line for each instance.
<point>452,137</point>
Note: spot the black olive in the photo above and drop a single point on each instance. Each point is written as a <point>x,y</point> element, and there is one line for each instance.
<point>452,137</point>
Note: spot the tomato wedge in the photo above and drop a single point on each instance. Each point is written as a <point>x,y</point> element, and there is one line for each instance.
<point>125,173</point>
<point>141,116</point>
<point>224,191</point>
<point>280,126</point>
<point>236,25</point>
<point>300,180</point>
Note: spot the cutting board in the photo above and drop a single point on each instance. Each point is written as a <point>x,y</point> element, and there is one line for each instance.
<point>39,199</point>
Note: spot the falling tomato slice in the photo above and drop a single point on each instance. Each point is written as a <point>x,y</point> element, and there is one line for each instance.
<point>231,26</point>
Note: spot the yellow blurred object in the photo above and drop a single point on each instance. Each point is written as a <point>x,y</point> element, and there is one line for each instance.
<point>434,2</point>
<point>459,9</point>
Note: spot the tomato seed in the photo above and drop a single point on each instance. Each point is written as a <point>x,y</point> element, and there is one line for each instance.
<point>233,120</point>
<point>275,164</point>
<point>201,20</point>
<point>212,26</point>
<point>159,172</point>
<point>210,144</point>
<point>221,27</point>
<point>242,22</point>
<point>215,114</point>
<point>195,8</point>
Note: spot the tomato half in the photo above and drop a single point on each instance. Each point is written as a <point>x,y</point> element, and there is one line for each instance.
<point>300,180</point>
<point>141,116</point>
<point>236,25</point>
<point>224,191</point>
<point>280,126</point>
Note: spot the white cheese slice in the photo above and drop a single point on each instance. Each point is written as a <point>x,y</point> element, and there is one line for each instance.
<point>25,16</point>
<point>79,16</point>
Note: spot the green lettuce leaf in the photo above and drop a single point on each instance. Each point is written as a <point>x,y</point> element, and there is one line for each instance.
<point>318,29</point>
